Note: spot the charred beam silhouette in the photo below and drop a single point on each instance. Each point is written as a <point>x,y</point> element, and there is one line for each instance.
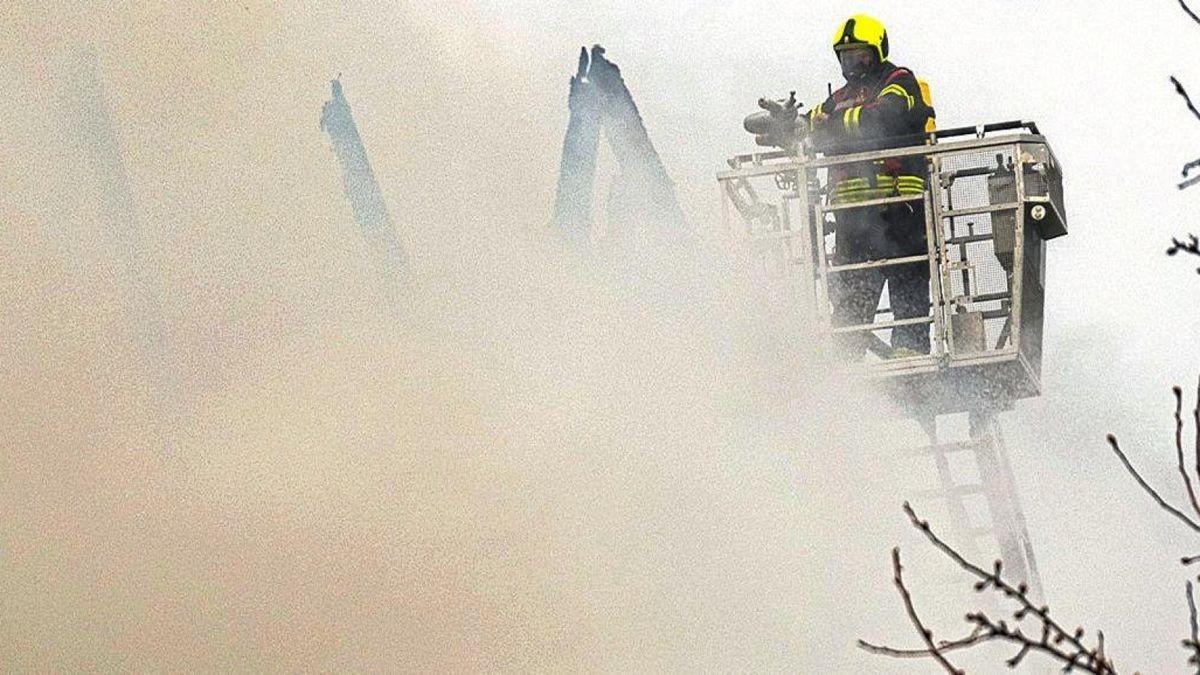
<point>577,170</point>
<point>102,154</point>
<point>642,197</point>
<point>363,193</point>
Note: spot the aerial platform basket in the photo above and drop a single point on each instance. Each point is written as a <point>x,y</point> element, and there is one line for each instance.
<point>993,197</point>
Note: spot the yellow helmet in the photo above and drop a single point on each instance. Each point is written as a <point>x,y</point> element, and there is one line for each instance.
<point>860,30</point>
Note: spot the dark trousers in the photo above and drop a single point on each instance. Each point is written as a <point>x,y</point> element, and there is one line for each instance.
<point>871,234</point>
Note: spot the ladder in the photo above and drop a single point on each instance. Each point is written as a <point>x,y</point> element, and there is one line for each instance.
<point>984,506</point>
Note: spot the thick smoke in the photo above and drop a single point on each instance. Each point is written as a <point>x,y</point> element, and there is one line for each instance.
<point>550,462</point>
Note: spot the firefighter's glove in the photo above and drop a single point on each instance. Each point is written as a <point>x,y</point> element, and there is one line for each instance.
<point>823,136</point>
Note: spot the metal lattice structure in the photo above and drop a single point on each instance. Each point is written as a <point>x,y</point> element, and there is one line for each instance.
<point>986,226</point>
<point>991,202</point>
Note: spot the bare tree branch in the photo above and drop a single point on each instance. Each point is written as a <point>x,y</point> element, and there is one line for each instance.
<point>1112,441</point>
<point>1196,422</point>
<point>1073,653</point>
<point>1179,89</point>
<point>1187,480</point>
<point>926,634</point>
<point>1192,246</point>
<point>1186,99</point>
<point>1089,660</point>
<point>943,646</point>
<point>1191,181</point>
<point>1189,11</point>
<point>1193,644</point>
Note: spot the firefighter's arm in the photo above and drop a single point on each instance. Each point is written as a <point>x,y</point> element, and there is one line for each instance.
<point>820,129</point>
<point>819,115</point>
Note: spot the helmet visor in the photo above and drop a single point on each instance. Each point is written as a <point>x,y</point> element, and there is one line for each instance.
<point>856,60</point>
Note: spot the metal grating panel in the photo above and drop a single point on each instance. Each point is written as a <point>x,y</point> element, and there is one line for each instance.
<point>979,248</point>
<point>967,180</point>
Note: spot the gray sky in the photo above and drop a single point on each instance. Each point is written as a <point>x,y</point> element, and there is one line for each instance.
<point>209,559</point>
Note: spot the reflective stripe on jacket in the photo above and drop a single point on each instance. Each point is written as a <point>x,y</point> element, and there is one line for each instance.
<point>859,189</point>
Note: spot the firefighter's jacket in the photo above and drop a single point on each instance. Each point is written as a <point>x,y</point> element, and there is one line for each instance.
<point>889,109</point>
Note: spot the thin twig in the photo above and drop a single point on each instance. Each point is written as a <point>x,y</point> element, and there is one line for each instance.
<point>1052,633</point>
<point>1187,480</point>
<point>926,634</point>
<point>943,646</point>
<point>1073,653</point>
<point>1196,421</point>
<point>1186,99</point>
<point>1191,246</point>
<point>1193,644</point>
<point>989,578</point>
<point>1189,11</point>
<point>1091,661</point>
<point>1112,441</point>
<point>1179,88</point>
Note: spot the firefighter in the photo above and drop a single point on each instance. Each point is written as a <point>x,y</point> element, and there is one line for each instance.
<point>881,106</point>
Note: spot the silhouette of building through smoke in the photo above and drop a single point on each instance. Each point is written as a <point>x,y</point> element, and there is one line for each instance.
<point>641,201</point>
<point>362,190</point>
